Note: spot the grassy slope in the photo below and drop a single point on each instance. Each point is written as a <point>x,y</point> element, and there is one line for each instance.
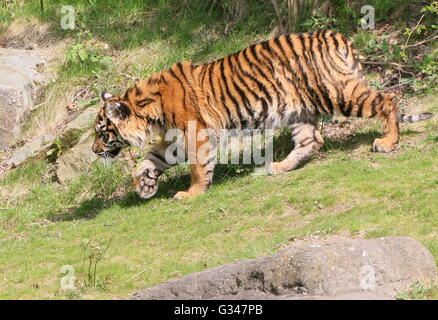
<point>347,190</point>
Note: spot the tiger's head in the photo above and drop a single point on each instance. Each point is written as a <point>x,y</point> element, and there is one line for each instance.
<point>109,141</point>
<point>126,120</point>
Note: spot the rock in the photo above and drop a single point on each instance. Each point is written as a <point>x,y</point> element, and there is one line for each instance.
<point>77,160</point>
<point>83,120</point>
<point>40,144</point>
<point>31,149</point>
<point>331,269</point>
<point>19,84</point>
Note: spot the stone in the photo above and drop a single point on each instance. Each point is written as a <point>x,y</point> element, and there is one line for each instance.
<point>84,120</point>
<point>330,269</point>
<point>77,160</point>
<point>19,85</point>
<point>31,149</point>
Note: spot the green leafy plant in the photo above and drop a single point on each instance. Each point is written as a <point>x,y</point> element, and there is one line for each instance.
<point>80,54</point>
<point>418,291</point>
<point>63,143</point>
<point>86,103</point>
<point>56,149</point>
<point>319,21</point>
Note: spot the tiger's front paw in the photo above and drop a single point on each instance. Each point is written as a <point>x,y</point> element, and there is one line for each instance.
<point>146,184</point>
<point>382,145</point>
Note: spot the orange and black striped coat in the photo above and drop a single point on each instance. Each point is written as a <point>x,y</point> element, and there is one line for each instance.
<point>288,81</point>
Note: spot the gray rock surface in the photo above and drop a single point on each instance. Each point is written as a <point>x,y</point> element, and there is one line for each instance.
<point>19,83</point>
<point>84,120</point>
<point>331,269</point>
<point>31,149</point>
<point>77,160</point>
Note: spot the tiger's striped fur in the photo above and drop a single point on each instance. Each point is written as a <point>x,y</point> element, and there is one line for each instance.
<point>289,81</point>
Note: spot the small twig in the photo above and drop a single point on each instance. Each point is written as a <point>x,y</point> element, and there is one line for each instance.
<point>277,10</point>
<point>77,95</point>
<point>413,30</point>
<point>375,63</point>
<point>138,274</point>
<point>129,76</point>
<point>421,42</point>
<point>397,66</point>
<point>280,20</point>
<point>398,85</point>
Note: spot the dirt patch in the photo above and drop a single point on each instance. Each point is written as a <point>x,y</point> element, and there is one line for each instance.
<point>29,35</point>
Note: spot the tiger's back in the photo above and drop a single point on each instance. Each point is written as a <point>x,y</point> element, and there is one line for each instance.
<point>270,84</point>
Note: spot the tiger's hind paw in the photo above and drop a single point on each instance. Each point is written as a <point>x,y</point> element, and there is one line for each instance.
<point>382,145</point>
<point>276,168</point>
<point>187,194</point>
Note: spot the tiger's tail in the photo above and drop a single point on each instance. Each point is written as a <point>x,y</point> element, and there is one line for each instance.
<point>414,118</point>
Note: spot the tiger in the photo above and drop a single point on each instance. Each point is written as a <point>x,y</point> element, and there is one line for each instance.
<point>289,81</point>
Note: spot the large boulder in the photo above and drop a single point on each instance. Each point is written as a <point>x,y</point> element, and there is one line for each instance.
<point>19,87</point>
<point>332,269</point>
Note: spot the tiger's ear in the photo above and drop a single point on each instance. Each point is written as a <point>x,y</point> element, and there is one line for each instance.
<point>106,96</point>
<point>117,112</point>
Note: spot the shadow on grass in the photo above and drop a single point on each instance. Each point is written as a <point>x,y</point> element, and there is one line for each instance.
<point>173,182</point>
<point>169,185</point>
<point>358,140</point>
<point>351,143</point>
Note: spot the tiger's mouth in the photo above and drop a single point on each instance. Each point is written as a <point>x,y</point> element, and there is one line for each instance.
<point>110,154</point>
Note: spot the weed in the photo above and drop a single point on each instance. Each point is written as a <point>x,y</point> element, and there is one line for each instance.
<point>93,253</point>
<point>79,54</point>
<point>63,143</point>
<point>419,291</point>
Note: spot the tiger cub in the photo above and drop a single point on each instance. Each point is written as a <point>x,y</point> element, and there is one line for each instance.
<point>289,81</point>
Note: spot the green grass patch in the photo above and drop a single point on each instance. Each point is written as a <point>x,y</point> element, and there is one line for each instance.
<point>241,216</point>
<point>45,226</point>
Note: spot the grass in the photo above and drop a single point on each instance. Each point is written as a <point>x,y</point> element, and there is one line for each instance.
<point>419,291</point>
<point>138,40</point>
<point>349,191</point>
<point>44,225</point>
<point>137,22</point>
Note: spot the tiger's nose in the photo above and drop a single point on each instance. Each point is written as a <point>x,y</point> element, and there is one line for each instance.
<point>96,148</point>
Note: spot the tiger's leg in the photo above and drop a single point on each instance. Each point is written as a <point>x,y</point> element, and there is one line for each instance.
<point>372,104</point>
<point>307,140</point>
<point>147,174</point>
<point>389,116</point>
<point>202,161</point>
